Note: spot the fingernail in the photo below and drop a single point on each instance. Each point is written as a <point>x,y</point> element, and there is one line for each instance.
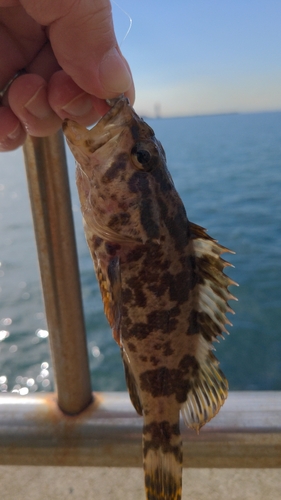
<point>15,133</point>
<point>38,105</point>
<point>80,105</point>
<point>114,73</point>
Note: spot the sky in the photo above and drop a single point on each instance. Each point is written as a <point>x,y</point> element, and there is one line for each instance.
<point>192,57</point>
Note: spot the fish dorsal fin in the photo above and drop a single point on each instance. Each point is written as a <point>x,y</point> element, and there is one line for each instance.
<point>131,383</point>
<point>108,275</point>
<point>207,321</point>
<point>211,295</point>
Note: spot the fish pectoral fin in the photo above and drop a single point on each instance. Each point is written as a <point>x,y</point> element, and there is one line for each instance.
<point>207,395</point>
<point>131,383</point>
<point>108,275</point>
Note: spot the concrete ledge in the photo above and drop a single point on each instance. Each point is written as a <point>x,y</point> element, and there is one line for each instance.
<point>110,483</point>
<point>33,431</point>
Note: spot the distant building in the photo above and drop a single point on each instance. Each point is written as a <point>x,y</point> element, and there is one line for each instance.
<point>157,110</point>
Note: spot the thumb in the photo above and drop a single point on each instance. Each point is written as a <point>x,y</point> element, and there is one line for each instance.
<point>83,40</point>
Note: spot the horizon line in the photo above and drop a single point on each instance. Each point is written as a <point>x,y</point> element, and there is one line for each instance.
<point>198,115</point>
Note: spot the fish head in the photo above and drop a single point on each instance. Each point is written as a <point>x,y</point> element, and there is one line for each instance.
<point>121,173</point>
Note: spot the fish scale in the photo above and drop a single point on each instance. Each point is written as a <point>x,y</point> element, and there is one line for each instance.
<point>162,283</point>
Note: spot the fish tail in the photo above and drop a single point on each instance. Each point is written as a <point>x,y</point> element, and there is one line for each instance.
<point>162,453</point>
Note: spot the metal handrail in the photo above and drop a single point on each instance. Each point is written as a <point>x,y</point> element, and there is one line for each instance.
<point>33,431</point>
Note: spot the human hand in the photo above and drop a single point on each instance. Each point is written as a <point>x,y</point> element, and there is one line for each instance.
<point>72,62</point>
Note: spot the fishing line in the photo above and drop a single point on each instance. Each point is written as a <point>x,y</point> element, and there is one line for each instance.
<point>130,21</point>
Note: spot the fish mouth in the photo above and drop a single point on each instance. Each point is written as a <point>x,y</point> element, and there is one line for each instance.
<point>109,127</point>
<point>119,108</point>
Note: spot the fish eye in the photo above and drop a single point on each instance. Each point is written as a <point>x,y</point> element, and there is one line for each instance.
<point>141,157</point>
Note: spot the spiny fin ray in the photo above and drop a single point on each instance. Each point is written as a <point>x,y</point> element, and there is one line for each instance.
<point>211,293</point>
<point>210,304</point>
<point>206,398</point>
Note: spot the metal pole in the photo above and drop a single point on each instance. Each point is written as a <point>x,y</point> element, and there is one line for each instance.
<point>46,169</point>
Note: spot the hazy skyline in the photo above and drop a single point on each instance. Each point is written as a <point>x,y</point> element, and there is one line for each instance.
<point>201,56</point>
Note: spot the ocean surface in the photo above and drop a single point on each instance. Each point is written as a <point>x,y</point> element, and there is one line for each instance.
<point>227,169</point>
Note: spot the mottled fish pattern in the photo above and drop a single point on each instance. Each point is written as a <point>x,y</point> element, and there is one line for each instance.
<point>162,282</point>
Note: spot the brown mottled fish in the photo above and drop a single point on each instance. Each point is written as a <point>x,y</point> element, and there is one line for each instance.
<point>162,282</point>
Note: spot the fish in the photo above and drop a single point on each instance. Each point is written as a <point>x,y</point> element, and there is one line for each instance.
<point>162,282</point>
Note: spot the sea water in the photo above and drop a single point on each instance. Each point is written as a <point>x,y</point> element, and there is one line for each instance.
<point>227,169</point>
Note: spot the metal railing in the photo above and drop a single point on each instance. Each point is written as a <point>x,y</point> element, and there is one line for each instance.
<point>74,426</point>
<point>34,431</point>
